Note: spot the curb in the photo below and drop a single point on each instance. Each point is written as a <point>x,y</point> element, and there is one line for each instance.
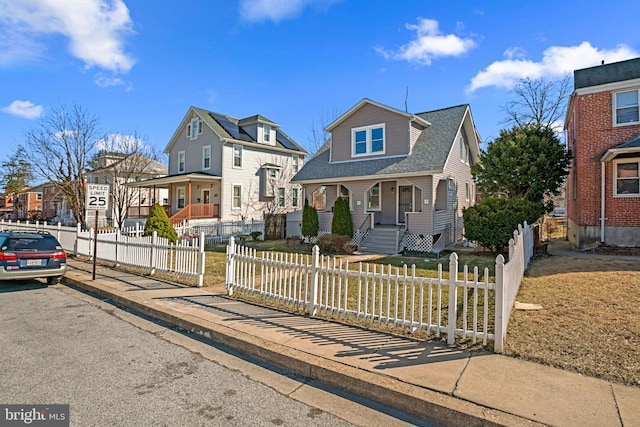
<point>431,405</point>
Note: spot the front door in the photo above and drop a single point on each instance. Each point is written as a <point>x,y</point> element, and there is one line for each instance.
<point>206,196</point>
<point>405,201</point>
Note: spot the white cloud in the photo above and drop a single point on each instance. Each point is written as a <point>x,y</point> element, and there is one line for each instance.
<point>95,29</point>
<point>24,109</point>
<point>429,43</point>
<point>277,10</point>
<point>556,62</point>
<point>104,81</point>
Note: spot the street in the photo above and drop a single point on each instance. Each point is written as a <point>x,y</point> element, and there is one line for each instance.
<point>60,346</point>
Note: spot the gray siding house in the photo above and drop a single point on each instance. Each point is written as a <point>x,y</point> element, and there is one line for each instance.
<point>406,176</point>
<point>230,169</point>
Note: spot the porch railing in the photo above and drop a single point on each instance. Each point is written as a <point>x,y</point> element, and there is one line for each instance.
<point>195,211</point>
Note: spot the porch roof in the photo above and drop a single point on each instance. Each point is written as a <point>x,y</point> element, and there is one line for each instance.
<point>429,153</point>
<point>165,181</point>
<point>630,146</point>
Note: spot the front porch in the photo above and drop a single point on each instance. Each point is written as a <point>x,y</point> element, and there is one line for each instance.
<point>191,196</point>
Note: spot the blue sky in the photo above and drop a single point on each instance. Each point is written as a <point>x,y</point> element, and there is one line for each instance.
<point>138,64</point>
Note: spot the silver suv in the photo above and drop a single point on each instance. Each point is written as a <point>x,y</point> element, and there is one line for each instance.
<point>30,255</point>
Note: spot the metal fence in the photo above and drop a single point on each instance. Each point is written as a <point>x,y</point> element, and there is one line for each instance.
<point>221,231</point>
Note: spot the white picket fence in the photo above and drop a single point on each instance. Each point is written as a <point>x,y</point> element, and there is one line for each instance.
<point>155,254</point>
<point>65,235</point>
<point>468,306</point>
<point>128,247</point>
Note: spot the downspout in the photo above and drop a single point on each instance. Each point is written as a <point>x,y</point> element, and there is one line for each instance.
<point>602,203</point>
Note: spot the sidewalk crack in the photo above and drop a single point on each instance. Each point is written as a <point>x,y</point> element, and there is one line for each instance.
<point>455,387</point>
<point>615,401</point>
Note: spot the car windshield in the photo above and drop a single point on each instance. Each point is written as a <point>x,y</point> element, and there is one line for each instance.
<point>30,243</point>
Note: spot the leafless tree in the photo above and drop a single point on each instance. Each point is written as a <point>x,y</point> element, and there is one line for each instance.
<point>59,147</point>
<point>318,133</point>
<point>123,159</point>
<point>541,102</point>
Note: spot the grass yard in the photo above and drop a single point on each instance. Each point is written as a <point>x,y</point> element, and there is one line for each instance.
<point>590,321</point>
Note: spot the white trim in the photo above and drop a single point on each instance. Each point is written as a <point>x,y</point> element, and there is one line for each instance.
<point>364,101</point>
<point>233,156</point>
<point>203,158</point>
<point>389,177</point>
<point>413,200</point>
<point>368,140</point>
<point>366,198</point>
<point>233,186</point>
<point>184,191</point>
<point>614,100</point>
<point>615,86</point>
<point>358,159</point>
<point>184,161</point>
<point>202,191</point>
<point>615,163</point>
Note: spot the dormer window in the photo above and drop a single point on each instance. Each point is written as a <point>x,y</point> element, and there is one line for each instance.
<point>266,133</point>
<point>368,140</point>
<point>194,128</point>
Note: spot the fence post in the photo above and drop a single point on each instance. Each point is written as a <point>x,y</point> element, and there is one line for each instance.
<point>75,244</point>
<point>154,239</point>
<point>315,261</point>
<point>231,251</point>
<point>453,298</point>
<point>201,261</point>
<point>499,305</point>
<point>92,236</point>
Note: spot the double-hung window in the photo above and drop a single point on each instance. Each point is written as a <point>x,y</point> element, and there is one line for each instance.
<point>296,162</point>
<point>266,133</point>
<point>368,140</point>
<point>237,156</point>
<point>194,128</point>
<point>626,107</point>
<point>181,161</point>
<point>236,196</point>
<point>206,157</point>
<point>294,197</point>
<point>281,194</point>
<point>627,177</point>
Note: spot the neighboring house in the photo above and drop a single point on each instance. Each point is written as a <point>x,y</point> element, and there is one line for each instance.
<point>6,206</point>
<point>228,168</point>
<point>603,132</point>
<point>55,207</point>
<point>28,203</point>
<point>118,169</point>
<point>406,176</point>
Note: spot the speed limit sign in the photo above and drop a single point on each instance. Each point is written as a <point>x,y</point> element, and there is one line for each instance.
<point>97,197</point>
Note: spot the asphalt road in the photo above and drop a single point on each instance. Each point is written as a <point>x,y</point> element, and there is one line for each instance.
<point>60,346</point>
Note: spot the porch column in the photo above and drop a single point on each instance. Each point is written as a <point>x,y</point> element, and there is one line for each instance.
<point>189,198</point>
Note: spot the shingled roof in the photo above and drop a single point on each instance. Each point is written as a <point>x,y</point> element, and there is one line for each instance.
<point>429,153</point>
<point>282,140</point>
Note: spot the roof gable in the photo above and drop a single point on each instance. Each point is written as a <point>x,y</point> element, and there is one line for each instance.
<point>429,153</point>
<point>227,127</point>
<point>366,101</point>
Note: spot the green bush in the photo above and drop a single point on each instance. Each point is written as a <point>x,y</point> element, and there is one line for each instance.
<point>158,221</point>
<point>310,222</point>
<point>491,223</point>
<point>255,235</point>
<point>342,224</point>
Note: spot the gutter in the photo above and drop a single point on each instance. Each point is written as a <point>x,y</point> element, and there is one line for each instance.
<point>602,201</point>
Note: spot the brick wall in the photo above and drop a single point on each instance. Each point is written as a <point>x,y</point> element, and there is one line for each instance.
<point>590,134</point>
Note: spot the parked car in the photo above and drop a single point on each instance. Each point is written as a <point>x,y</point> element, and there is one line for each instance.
<point>559,212</point>
<point>31,255</point>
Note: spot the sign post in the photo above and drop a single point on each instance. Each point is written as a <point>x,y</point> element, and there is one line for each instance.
<point>97,200</point>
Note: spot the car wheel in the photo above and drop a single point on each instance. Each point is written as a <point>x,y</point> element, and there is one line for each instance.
<point>54,280</point>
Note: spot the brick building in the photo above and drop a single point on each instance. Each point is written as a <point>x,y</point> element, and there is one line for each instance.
<point>603,131</point>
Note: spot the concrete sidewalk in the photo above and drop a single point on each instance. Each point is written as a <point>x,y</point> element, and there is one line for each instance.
<point>441,383</point>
